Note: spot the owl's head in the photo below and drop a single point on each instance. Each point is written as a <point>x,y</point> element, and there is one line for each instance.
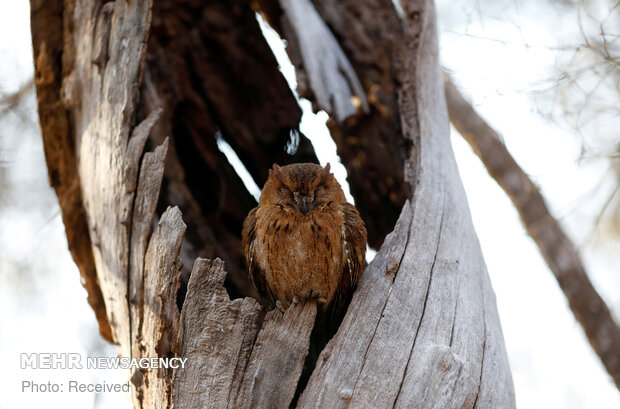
<point>302,187</point>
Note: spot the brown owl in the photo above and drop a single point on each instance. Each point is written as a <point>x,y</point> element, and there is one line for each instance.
<point>304,240</point>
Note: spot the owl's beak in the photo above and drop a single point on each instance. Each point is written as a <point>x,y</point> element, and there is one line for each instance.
<point>305,205</point>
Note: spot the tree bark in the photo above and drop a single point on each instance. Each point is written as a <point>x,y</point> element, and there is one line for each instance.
<point>561,256</point>
<point>422,329</point>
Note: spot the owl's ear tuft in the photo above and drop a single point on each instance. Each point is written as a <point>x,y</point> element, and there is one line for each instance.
<point>326,172</point>
<point>275,170</point>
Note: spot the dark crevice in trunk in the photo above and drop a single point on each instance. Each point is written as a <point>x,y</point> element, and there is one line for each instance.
<point>199,69</point>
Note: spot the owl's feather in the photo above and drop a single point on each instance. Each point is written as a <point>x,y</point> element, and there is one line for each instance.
<point>303,239</point>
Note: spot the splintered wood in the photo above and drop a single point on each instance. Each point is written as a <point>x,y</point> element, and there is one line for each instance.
<point>232,361</point>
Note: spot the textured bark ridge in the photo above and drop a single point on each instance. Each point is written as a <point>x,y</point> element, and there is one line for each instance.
<point>234,360</point>
<point>422,329</point>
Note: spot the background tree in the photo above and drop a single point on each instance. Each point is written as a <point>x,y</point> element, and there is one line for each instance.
<point>577,92</point>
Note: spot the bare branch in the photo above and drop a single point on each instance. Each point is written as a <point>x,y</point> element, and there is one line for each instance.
<point>10,101</point>
<point>559,252</point>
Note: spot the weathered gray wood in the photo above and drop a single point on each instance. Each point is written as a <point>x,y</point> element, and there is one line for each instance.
<point>160,330</point>
<point>103,51</point>
<point>331,384</point>
<point>278,356</point>
<point>218,335</point>
<point>135,147</point>
<point>151,173</point>
<point>331,76</point>
<point>445,362</point>
<point>496,389</point>
<point>230,363</point>
<point>102,90</point>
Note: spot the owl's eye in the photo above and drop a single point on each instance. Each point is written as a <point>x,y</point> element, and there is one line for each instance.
<point>285,191</point>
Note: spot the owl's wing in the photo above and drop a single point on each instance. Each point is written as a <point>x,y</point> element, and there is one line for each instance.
<point>257,277</point>
<point>354,255</point>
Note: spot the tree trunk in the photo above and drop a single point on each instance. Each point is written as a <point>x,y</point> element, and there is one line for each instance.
<point>422,329</point>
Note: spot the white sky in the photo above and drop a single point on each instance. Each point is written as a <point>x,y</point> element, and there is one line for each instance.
<point>553,365</point>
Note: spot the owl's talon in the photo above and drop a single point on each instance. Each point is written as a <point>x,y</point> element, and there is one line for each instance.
<point>279,306</point>
<point>322,300</point>
<point>314,294</point>
<point>295,299</point>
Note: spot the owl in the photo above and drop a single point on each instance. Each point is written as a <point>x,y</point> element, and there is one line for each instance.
<point>303,240</point>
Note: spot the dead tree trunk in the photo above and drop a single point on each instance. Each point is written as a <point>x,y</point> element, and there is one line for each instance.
<point>113,77</point>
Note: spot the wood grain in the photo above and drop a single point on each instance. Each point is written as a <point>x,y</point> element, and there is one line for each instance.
<point>160,330</point>
<point>277,359</point>
<point>103,98</point>
<point>218,335</point>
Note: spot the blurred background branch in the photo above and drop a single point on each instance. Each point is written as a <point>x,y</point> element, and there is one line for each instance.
<point>555,246</point>
<point>10,102</point>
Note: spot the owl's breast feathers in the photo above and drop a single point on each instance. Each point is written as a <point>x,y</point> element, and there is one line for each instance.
<point>319,254</point>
